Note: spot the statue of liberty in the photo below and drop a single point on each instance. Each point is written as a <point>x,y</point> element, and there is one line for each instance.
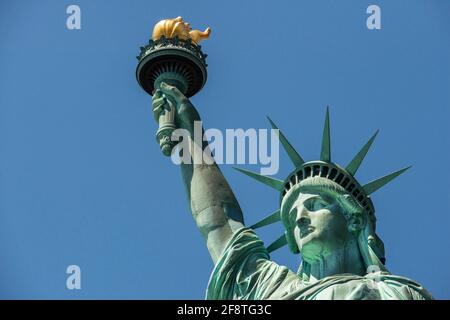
<point>328,216</point>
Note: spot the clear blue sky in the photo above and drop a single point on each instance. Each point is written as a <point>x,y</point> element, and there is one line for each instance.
<point>82,180</point>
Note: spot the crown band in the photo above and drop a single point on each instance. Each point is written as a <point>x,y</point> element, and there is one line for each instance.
<point>334,173</point>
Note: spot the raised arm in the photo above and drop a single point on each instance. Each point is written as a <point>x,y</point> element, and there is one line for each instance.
<point>213,204</point>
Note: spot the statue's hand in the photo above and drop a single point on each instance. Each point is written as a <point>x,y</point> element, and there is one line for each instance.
<point>185,113</point>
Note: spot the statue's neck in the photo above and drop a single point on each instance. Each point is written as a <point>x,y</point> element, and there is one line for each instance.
<point>346,259</point>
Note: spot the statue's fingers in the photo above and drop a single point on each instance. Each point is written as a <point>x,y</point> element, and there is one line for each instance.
<point>158,94</point>
<point>159,102</point>
<point>157,111</point>
<point>172,92</point>
<point>160,106</point>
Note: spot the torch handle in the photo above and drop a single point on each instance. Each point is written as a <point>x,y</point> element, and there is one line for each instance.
<point>166,128</point>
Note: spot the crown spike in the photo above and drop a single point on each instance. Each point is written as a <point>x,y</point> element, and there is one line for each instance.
<point>271,182</point>
<point>296,159</point>
<point>353,166</point>
<point>373,186</point>
<point>277,244</point>
<point>325,154</point>
<point>272,218</point>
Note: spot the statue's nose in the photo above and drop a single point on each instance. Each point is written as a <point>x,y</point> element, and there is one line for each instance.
<point>302,215</point>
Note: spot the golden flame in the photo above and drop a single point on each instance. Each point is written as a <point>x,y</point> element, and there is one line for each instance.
<point>177,27</point>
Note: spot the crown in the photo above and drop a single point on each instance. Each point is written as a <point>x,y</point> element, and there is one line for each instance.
<point>324,168</point>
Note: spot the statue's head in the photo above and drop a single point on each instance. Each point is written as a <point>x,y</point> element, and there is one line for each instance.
<point>320,216</point>
<point>323,207</point>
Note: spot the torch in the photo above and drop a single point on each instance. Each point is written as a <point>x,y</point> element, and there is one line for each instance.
<point>174,56</point>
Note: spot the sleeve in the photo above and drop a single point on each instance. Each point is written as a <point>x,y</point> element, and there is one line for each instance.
<point>244,272</point>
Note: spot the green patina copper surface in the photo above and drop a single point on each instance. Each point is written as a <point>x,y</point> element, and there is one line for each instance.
<point>328,216</point>
<point>328,220</point>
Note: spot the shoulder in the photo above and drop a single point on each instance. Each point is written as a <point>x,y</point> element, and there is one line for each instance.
<point>243,242</point>
<point>245,271</point>
<point>399,287</point>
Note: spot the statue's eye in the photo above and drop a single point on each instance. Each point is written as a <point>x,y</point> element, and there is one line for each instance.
<point>319,204</point>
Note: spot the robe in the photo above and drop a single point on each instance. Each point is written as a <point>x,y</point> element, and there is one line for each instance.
<point>245,272</point>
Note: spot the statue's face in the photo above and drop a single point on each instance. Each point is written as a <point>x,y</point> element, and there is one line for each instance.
<point>319,225</point>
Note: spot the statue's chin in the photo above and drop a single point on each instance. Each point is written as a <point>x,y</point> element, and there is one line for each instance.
<point>306,238</point>
<point>310,247</point>
<point>304,246</point>
<point>308,256</point>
